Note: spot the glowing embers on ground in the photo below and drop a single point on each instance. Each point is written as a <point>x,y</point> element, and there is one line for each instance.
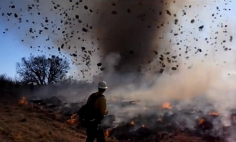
<point>23,101</point>
<point>73,119</point>
<point>166,105</point>
<point>201,121</point>
<point>107,132</point>
<point>132,123</point>
<point>214,113</point>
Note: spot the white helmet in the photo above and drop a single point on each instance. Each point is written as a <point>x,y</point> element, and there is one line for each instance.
<point>102,85</point>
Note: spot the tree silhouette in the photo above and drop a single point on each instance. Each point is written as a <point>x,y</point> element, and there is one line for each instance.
<point>41,70</point>
<point>5,82</point>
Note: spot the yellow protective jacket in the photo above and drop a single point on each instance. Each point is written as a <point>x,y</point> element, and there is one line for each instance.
<point>100,104</point>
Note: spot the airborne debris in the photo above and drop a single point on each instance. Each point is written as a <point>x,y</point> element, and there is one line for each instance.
<point>176,21</point>
<point>174,68</point>
<point>201,27</point>
<point>77,16</point>
<point>99,64</point>
<point>13,6</point>
<point>168,12</point>
<point>83,49</point>
<point>84,30</point>
<point>75,55</point>
<point>231,38</point>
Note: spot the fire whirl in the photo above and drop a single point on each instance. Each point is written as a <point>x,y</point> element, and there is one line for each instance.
<point>23,101</point>
<point>73,119</point>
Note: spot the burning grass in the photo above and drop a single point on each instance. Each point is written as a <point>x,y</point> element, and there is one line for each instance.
<point>214,113</point>
<point>166,105</point>
<point>23,101</point>
<point>19,124</point>
<point>73,119</point>
<point>107,133</point>
<point>149,127</point>
<point>201,121</point>
<point>132,123</point>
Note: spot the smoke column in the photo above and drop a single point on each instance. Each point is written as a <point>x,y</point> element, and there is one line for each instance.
<point>128,28</point>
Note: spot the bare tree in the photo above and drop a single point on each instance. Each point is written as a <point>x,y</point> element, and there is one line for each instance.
<point>41,71</point>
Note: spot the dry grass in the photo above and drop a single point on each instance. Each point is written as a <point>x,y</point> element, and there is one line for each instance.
<point>18,124</point>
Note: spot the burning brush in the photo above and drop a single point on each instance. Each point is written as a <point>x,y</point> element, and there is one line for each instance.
<point>73,119</point>
<point>23,101</point>
<point>107,132</point>
<point>214,113</point>
<point>132,123</point>
<point>166,105</point>
<point>201,121</point>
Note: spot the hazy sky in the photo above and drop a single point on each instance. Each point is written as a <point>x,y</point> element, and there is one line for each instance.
<point>12,32</point>
<point>12,49</point>
<point>11,52</point>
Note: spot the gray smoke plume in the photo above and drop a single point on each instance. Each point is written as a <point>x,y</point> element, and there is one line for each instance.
<point>129,28</point>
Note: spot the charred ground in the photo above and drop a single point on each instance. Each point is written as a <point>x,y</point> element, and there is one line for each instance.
<point>20,123</point>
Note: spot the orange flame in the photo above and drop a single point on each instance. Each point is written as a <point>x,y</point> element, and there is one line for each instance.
<point>166,105</point>
<point>132,123</point>
<point>213,113</point>
<point>23,101</point>
<point>107,132</point>
<point>201,121</point>
<point>73,119</point>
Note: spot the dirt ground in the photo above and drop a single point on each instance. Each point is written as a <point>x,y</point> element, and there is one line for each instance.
<point>20,124</point>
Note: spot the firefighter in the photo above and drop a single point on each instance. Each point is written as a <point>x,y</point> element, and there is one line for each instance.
<point>94,130</point>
